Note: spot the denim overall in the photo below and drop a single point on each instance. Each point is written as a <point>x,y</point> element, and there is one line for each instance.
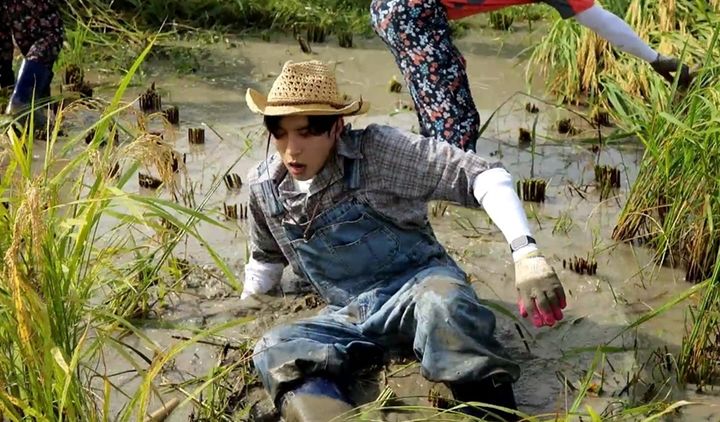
<point>389,289</point>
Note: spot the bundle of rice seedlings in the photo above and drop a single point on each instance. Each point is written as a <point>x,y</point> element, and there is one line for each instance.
<point>153,152</point>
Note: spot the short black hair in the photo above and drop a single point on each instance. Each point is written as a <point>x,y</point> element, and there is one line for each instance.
<point>317,125</point>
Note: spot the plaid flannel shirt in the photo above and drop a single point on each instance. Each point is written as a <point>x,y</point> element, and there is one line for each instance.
<point>400,172</point>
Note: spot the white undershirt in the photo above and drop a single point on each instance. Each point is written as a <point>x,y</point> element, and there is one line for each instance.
<point>493,189</point>
<point>616,31</point>
<point>302,185</point>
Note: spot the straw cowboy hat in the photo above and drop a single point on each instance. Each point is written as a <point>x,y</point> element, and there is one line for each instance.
<point>304,88</point>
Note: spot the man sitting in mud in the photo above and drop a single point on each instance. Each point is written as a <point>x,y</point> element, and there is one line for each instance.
<point>347,209</point>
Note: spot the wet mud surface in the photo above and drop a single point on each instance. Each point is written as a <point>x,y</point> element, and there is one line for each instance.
<point>573,222</point>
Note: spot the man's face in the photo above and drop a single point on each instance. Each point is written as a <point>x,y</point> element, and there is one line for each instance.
<point>303,153</point>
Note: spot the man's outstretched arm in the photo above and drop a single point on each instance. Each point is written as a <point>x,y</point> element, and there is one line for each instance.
<point>540,293</point>
<point>426,169</point>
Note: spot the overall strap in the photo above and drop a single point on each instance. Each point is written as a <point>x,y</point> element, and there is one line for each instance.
<point>352,165</point>
<point>271,198</point>
<point>269,192</point>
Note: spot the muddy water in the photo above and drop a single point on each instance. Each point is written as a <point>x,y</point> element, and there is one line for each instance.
<point>554,360</point>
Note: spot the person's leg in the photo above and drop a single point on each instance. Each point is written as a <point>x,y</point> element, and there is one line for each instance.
<point>418,35</point>
<point>453,336</point>
<point>303,365</point>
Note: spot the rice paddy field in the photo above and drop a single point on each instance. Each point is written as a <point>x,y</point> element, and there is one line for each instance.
<point>123,225</point>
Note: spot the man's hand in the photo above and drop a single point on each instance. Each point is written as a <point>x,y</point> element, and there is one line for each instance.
<point>666,66</point>
<point>540,292</point>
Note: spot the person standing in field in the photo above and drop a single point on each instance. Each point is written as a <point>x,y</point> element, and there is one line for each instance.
<point>417,32</point>
<point>37,29</point>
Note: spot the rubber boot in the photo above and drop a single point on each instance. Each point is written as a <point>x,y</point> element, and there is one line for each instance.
<point>33,78</point>
<point>7,76</point>
<point>488,391</point>
<point>44,94</point>
<point>7,80</point>
<point>316,400</point>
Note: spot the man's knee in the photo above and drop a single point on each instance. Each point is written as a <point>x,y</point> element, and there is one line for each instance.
<point>440,288</point>
<point>449,296</point>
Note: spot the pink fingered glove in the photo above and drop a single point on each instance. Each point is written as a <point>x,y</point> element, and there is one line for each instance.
<point>540,293</point>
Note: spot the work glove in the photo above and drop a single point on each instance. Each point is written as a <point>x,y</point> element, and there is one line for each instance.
<point>540,293</point>
<point>665,66</point>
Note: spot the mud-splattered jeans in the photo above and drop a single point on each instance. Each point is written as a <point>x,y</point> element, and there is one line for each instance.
<point>436,315</point>
<point>418,35</point>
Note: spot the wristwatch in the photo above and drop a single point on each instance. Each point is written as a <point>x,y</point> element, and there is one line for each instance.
<point>520,242</point>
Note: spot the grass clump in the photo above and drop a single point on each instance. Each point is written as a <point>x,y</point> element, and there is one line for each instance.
<point>501,20</point>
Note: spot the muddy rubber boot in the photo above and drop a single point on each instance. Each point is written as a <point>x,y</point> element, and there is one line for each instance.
<point>33,78</point>
<point>316,400</point>
<point>487,391</point>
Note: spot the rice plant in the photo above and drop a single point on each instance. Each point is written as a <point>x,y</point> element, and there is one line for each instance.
<point>575,62</point>
<point>674,204</point>
<point>564,223</point>
<point>577,409</point>
<point>67,286</point>
<point>228,383</point>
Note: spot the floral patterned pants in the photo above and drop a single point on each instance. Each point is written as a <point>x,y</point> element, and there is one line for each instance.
<point>418,35</point>
<point>36,27</point>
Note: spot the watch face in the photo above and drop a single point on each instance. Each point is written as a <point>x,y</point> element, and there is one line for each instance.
<point>520,242</point>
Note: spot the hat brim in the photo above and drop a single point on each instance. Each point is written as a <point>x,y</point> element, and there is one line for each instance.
<point>257,103</point>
